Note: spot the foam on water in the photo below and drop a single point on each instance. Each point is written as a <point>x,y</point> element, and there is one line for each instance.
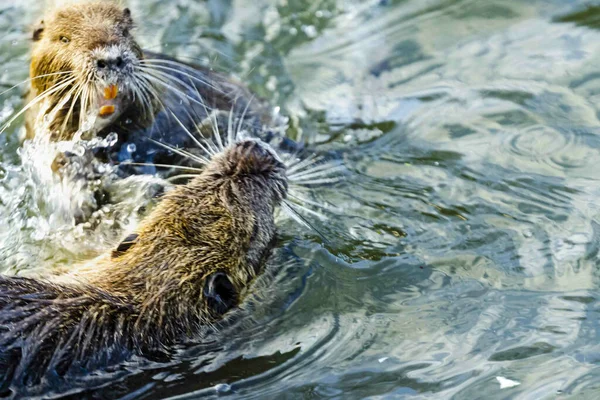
<point>54,219</point>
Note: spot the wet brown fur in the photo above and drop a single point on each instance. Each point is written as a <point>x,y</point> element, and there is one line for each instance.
<point>87,26</point>
<point>187,264</point>
<point>95,24</point>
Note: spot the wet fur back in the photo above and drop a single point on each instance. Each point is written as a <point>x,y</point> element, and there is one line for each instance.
<point>187,264</point>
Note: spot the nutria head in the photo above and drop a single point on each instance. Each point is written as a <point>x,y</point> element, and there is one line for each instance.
<point>85,54</point>
<point>208,238</point>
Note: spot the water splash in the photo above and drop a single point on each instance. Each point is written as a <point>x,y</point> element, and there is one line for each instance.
<point>54,218</point>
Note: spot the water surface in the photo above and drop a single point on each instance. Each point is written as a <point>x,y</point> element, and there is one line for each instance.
<point>463,245</point>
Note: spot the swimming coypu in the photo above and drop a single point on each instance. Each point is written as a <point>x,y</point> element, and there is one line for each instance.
<point>89,76</point>
<point>186,265</point>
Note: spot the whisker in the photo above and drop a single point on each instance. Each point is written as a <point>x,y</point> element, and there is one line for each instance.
<point>306,210</point>
<point>34,78</point>
<point>182,176</point>
<point>302,163</point>
<point>297,196</point>
<point>231,136</point>
<point>193,157</point>
<point>200,145</point>
<point>165,69</point>
<point>214,126</point>
<point>317,172</point>
<point>154,61</point>
<point>166,79</point>
<point>155,76</point>
<point>36,100</point>
<point>147,92</point>
<point>317,181</point>
<point>162,166</point>
<point>244,114</point>
<point>289,210</point>
<point>73,102</point>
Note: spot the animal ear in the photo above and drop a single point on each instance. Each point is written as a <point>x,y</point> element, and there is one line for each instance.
<point>127,15</point>
<point>220,294</point>
<point>37,31</point>
<point>124,245</point>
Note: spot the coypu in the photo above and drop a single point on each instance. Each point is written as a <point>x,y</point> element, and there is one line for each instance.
<point>188,263</point>
<point>89,76</point>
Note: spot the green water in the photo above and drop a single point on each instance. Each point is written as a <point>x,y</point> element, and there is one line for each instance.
<point>463,245</point>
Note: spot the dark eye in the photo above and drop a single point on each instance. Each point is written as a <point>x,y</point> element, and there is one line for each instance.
<point>65,39</point>
<point>126,32</point>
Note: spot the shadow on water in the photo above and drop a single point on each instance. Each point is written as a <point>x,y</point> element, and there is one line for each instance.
<point>588,17</point>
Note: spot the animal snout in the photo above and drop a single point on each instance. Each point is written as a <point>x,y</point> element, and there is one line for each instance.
<point>110,63</point>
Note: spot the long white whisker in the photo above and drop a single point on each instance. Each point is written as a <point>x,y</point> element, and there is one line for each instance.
<point>168,69</point>
<point>312,163</point>
<point>299,164</point>
<point>306,210</point>
<point>214,126</point>
<point>144,93</point>
<point>317,181</point>
<point>231,135</point>
<point>36,100</point>
<point>191,135</point>
<point>295,215</point>
<point>79,88</point>
<point>34,78</point>
<point>155,79</point>
<point>297,196</point>
<point>162,166</point>
<point>153,64</point>
<point>317,172</point>
<point>239,127</point>
<point>163,76</point>
<point>182,176</point>
<point>194,157</point>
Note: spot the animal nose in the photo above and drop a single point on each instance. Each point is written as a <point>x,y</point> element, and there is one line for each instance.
<point>116,62</point>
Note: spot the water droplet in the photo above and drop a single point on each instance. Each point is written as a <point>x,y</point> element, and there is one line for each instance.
<point>506,383</point>
<point>271,83</point>
<point>112,138</point>
<point>222,388</point>
<point>128,121</point>
<point>131,147</point>
<point>309,30</point>
<point>78,150</point>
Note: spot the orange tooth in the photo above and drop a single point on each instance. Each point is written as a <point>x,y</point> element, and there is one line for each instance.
<point>106,110</point>
<point>111,92</point>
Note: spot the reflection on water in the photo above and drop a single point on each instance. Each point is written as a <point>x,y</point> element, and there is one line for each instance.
<point>463,246</point>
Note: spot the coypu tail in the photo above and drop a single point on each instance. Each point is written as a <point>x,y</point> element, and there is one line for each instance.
<point>46,327</point>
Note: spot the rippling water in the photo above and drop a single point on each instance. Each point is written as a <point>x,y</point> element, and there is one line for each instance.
<point>463,246</point>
